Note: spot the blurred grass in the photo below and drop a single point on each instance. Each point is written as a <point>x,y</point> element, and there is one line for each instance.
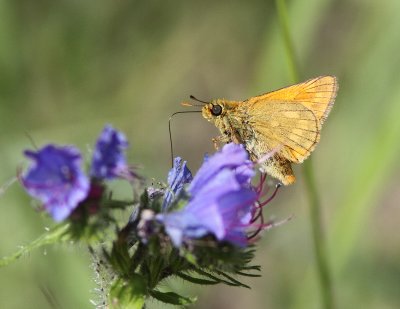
<point>322,263</point>
<point>68,67</point>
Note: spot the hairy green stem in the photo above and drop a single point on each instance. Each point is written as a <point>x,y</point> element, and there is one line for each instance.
<point>321,258</point>
<point>47,238</point>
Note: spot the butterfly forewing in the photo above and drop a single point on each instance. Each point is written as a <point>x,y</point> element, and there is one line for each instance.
<point>292,117</point>
<point>317,94</point>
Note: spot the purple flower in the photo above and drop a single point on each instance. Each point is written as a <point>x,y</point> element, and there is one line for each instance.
<point>108,157</point>
<point>56,179</point>
<point>232,156</point>
<point>222,200</point>
<point>178,176</point>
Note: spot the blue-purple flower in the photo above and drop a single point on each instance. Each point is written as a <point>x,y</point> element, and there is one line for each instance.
<point>221,203</point>
<point>232,156</point>
<point>109,159</point>
<point>56,179</point>
<point>178,176</point>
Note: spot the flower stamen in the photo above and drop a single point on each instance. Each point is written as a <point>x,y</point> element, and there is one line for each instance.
<point>262,204</point>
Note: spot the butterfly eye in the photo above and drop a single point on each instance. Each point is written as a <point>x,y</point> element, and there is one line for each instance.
<point>216,110</point>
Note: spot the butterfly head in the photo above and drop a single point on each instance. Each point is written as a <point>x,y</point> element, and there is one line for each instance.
<point>213,110</point>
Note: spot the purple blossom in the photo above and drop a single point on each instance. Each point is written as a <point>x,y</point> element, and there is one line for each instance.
<point>222,200</point>
<point>232,156</point>
<point>56,179</point>
<point>109,159</point>
<point>178,176</point>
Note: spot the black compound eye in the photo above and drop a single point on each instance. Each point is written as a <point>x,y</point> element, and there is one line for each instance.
<point>216,110</point>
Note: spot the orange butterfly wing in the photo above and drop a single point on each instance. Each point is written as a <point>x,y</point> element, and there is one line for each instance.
<point>290,119</point>
<point>317,94</point>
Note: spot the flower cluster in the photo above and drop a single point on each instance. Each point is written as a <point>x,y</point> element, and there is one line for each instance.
<point>201,229</point>
<point>57,179</point>
<point>222,201</point>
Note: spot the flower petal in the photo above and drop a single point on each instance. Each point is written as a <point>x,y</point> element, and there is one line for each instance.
<point>178,176</point>
<point>108,156</point>
<point>231,156</point>
<point>55,178</point>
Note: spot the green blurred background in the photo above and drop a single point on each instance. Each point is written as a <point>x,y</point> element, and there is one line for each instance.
<point>68,67</point>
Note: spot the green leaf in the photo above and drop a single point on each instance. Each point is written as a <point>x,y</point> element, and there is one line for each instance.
<point>190,257</point>
<point>128,294</point>
<point>231,279</point>
<point>197,280</point>
<point>172,298</point>
<point>253,267</point>
<point>230,282</point>
<point>119,256</point>
<point>144,200</point>
<point>57,234</point>
<point>247,274</point>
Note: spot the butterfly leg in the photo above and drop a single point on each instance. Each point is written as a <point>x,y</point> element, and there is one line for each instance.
<point>219,140</point>
<point>215,141</point>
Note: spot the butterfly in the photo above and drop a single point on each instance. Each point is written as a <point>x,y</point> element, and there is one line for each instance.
<point>284,123</point>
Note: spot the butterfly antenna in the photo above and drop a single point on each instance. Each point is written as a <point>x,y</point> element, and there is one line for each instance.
<point>170,133</point>
<point>30,138</point>
<point>196,99</point>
